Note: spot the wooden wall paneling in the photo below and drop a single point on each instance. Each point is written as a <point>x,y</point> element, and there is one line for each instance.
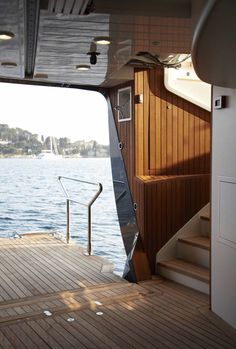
<point>198,194</point>
<point>178,208</point>
<point>164,216</point>
<point>165,142</point>
<point>158,144</point>
<point>207,144</point>
<point>160,208</point>
<point>139,125</point>
<point>141,210</point>
<point>196,143</point>
<point>153,126</point>
<point>175,134</point>
<point>135,122</point>
<point>202,145</point>
<point>192,197</point>
<point>146,122</point>
<point>173,122</point>
<point>180,167</point>
<point>169,133</point>
<point>163,132</point>
<point>175,206</point>
<point>184,195</point>
<point>148,236</point>
<point>169,212</point>
<point>191,131</point>
<point>186,140</point>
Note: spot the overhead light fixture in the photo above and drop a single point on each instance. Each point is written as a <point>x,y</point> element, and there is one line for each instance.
<point>8,64</point>
<point>83,67</point>
<point>4,35</point>
<point>93,57</point>
<point>102,40</point>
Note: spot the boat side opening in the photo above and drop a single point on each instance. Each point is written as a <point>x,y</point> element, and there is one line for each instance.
<point>65,136</point>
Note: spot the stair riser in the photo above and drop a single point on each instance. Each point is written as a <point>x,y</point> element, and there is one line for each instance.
<point>205,227</point>
<point>183,279</point>
<point>193,254</point>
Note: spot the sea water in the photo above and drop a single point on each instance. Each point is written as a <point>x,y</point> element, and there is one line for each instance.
<point>31,199</point>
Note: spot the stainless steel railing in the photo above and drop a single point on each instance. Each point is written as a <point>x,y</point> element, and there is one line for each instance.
<point>88,205</point>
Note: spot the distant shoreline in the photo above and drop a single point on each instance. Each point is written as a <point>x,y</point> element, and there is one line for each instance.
<point>63,157</point>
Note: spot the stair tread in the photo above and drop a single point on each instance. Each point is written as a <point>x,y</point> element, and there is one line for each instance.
<point>205,216</point>
<point>198,241</point>
<point>193,270</point>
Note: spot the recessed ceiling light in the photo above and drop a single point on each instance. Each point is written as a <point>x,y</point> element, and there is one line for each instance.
<point>9,64</point>
<point>83,67</point>
<point>4,35</point>
<point>102,40</point>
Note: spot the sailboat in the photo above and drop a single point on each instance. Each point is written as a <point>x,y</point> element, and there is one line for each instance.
<point>49,154</point>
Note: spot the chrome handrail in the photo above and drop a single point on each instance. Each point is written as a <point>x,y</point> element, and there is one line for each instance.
<point>89,205</point>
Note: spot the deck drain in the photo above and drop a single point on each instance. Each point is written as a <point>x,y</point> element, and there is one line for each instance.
<point>47,313</point>
<point>70,319</point>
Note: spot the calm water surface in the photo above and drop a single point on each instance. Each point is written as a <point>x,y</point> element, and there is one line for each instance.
<point>31,199</point>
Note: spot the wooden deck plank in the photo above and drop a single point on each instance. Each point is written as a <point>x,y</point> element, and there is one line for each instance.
<point>202,331</point>
<point>27,341</point>
<point>57,276</point>
<point>82,340</point>
<point>71,261</point>
<point>13,339</point>
<point>104,331</point>
<point>66,339</point>
<point>161,330</point>
<point>30,271</point>
<point>44,333</point>
<point>35,282</point>
<point>176,330</point>
<point>133,329</point>
<point>49,269</point>
<point>4,342</point>
<point>154,314</point>
<point>29,332</point>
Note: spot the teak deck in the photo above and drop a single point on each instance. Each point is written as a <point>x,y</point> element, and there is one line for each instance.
<point>90,307</point>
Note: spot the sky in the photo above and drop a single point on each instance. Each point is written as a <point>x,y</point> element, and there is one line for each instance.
<point>54,111</point>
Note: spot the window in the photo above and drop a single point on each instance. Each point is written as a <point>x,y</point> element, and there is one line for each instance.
<point>124,104</point>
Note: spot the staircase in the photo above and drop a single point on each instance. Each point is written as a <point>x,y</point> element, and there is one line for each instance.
<point>186,258</point>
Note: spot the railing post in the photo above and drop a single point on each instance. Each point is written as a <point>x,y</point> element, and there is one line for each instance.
<point>67,221</point>
<point>89,206</point>
<point>89,246</point>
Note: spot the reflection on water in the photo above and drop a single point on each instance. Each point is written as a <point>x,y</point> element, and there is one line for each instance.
<point>31,199</point>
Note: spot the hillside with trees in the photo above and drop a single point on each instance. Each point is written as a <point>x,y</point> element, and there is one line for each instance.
<point>17,142</point>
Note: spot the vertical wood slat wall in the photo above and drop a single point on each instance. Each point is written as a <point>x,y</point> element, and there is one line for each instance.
<point>178,139</point>
<point>167,158</point>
